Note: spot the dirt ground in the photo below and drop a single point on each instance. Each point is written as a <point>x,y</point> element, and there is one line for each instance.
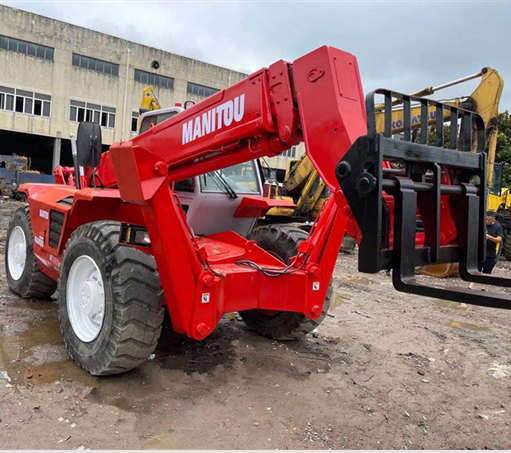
<point>384,371</point>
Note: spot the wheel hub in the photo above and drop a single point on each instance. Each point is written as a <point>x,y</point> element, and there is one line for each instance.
<point>16,253</point>
<point>91,293</point>
<point>85,297</point>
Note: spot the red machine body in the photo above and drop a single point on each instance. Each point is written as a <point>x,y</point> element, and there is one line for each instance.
<point>317,99</point>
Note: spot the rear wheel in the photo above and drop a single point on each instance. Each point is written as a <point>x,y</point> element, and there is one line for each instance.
<point>110,301</point>
<point>348,244</point>
<point>282,241</point>
<point>23,274</point>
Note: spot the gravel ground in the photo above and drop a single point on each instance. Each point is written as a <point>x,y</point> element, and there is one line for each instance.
<point>384,371</point>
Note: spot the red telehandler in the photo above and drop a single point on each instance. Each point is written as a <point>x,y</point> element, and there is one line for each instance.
<point>121,247</point>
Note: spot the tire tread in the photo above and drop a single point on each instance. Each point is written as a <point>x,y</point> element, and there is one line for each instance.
<point>282,240</point>
<point>137,321</point>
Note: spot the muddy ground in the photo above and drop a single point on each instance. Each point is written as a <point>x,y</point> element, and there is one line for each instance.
<point>384,371</point>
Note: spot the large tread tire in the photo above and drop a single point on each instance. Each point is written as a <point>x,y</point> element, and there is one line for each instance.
<point>134,301</point>
<point>507,245</point>
<point>348,244</point>
<point>32,284</point>
<point>282,241</point>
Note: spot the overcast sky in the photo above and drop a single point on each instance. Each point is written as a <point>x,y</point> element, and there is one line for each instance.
<point>405,46</point>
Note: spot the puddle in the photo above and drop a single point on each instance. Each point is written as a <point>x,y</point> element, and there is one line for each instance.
<point>39,305</point>
<point>39,352</point>
<point>464,325</point>
<point>361,280</point>
<point>339,299</point>
<point>450,304</point>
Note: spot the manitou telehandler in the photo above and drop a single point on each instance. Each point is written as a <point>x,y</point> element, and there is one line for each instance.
<point>127,242</point>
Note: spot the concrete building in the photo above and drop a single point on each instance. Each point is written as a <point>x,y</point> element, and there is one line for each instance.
<point>279,163</point>
<point>54,74</point>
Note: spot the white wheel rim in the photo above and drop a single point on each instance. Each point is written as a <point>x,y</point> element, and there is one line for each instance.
<point>85,298</point>
<point>17,253</point>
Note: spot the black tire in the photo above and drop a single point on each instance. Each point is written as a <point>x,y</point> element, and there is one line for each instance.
<point>507,245</point>
<point>32,284</point>
<point>282,241</point>
<point>348,244</point>
<point>133,301</point>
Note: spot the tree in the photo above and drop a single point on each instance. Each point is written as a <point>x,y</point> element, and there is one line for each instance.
<point>503,152</point>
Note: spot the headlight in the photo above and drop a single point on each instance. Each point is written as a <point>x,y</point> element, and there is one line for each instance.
<point>142,237</point>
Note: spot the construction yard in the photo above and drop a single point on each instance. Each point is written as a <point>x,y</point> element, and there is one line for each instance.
<point>384,371</point>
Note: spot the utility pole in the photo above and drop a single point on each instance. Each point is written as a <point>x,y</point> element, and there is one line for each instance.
<point>128,50</point>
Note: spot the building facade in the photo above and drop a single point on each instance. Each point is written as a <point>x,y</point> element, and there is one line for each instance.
<point>54,74</point>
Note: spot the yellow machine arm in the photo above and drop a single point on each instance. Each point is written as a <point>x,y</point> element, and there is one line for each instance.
<point>149,102</point>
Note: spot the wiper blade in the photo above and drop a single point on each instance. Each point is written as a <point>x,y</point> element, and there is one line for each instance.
<point>225,185</point>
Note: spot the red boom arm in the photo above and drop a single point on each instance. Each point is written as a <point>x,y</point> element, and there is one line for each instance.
<point>318,99</point>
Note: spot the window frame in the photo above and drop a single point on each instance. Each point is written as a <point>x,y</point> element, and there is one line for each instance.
<point>13,45</point>
<point>247,192</point>
<point>27,98</point>
<point>90,107</point>
<point>153,79</point>
<point>134,117</point>
<point>196,89</point>
<point>92,64</point>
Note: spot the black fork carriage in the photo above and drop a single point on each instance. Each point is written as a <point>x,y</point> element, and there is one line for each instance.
<point>413,180</point>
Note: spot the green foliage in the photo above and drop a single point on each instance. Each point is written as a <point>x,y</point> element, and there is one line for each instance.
<point>503,153</point>
<point>432,135</point>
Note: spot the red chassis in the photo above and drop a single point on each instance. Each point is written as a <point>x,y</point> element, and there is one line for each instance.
<point>317,99</point>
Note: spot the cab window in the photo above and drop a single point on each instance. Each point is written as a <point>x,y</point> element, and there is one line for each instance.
<point>241,178</point>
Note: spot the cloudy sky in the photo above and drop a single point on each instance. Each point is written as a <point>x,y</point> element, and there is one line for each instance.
<point>401,45</point>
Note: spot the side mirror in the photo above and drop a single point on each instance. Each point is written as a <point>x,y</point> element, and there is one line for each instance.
<point>89,145</point>
<point>188,104</point>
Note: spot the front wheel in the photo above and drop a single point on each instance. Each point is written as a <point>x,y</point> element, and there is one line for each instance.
<point>282,241</point>
<point>110,301</point>
<point>23,274</point>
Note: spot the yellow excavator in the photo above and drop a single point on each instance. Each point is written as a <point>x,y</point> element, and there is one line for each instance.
<point>303,186</point>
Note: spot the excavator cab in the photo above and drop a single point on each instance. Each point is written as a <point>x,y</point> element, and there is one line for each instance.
<point>392,181</point>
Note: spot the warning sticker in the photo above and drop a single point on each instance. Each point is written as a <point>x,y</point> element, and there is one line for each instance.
<point>39,240</point>
<point>205,298</point>
<point>44,214</point>
<point>315,286</point>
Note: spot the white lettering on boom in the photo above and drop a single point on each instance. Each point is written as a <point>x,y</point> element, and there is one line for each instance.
<point>214,119</point>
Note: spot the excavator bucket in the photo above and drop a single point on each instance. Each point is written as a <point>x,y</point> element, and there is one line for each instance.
<point>418,204</point>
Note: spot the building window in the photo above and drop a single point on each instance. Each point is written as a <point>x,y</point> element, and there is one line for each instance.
<point>134,121</point>
<point>22,101</point>
<point>200,90</point>
<point>26,48</point>
<point>149,78</point>
<point>94,64</point>
<point>86,111</point>
<point>291,152</point>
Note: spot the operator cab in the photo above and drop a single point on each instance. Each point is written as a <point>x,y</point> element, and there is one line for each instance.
<point>211,200</point>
